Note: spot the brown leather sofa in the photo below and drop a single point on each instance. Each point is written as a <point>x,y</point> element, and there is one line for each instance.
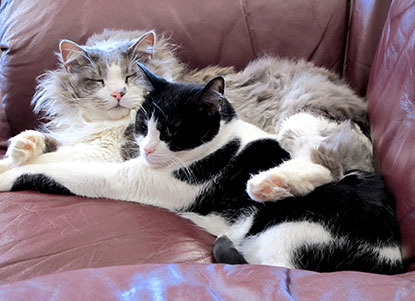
<point>71,248</point>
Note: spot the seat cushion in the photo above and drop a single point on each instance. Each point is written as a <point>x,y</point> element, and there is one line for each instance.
<point>44,234</point>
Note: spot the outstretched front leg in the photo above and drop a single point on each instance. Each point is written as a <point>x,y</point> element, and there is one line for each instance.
<point>128,181</point>
<point>295,177</point>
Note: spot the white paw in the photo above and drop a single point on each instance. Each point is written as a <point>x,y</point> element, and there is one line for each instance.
<point>296,177</point>
<point>25,147</point>
<point>268,186</point>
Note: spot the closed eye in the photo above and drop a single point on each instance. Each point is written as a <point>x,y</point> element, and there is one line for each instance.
<point>129,76</point>
<point>101,81</point>
<point>171,132</point>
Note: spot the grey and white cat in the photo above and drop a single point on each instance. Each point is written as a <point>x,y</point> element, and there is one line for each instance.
<point>196,157</point>
<point>88,101</point>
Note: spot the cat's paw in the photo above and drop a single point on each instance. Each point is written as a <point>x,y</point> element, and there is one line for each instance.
<point>296,177</point>
<point>25,147</point>
<point>268,186</point>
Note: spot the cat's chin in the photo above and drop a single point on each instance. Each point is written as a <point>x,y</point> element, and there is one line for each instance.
<point>117,113</point>
<point>155,165</point>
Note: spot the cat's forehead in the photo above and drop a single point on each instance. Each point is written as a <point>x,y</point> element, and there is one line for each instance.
<point>173,102</point>
<point>107,54</point>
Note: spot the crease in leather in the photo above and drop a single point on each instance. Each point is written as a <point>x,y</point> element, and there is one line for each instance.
<point>248,29</point>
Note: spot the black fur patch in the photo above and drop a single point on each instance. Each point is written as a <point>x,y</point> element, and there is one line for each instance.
<point>210,166</point>
<point>39,182</point>
<point>334,257</point>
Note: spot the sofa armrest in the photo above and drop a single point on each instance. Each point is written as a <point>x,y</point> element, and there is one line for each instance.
<point>391,100</point>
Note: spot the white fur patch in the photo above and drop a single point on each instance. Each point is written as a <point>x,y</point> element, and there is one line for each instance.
<point>275,246</point>
<point>390,253</point>
<point>212,223</point>
<point>305,133</point>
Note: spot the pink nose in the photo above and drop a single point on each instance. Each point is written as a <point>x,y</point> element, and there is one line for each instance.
<point>149,150</point>
<point>118,94</point>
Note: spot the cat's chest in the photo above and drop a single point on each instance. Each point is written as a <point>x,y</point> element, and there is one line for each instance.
<point>105,144</point>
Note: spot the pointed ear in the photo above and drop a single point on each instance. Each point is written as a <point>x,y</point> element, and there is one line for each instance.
<point>154,80</point>
<point>216,84</point>
<point>69,50</point>
<point>143,46</point>
<point>212,93</point>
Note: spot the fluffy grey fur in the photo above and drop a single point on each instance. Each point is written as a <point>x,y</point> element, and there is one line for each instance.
<point>270,90</point>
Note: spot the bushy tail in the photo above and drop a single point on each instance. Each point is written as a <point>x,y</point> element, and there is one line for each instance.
<point>337,257</point>
<point>224,251</point>
<point>343,150</point>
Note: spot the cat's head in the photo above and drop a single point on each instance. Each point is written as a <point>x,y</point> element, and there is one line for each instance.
<point>178,120</point>
<point>100,80</point>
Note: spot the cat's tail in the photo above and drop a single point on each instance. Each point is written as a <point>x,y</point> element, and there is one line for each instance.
<point>224,251</point>
<point>340,257</point>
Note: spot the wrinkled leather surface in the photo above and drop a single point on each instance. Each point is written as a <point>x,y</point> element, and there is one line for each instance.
<point>210,282</point>
<point>391,98</point>
<point>209,32</point>
<point>104,247</point>
<point>365,28</point>
<point>43,234</point>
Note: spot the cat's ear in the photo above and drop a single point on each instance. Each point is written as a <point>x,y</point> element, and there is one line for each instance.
<point>153,80</point>
<point>213,93</point>
<point>69,51</point>
<point>143,47</point>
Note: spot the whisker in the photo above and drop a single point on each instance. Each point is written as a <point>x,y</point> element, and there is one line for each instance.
<point>162,112</point>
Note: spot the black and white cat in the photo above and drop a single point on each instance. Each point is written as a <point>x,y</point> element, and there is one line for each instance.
<point>196,157</point>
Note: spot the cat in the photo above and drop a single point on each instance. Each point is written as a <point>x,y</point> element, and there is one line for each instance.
<point>196,157</point>
<point>87,101</point>
<point>267,92</point>
<point>90,100</point>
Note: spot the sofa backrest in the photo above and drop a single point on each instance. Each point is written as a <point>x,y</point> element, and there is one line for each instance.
<point>365,28</point>
<point>391,99</point>
<point>208,32</point>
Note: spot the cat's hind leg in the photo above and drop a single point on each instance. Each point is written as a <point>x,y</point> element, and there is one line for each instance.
<point>276,245</point>
<point>296,177</point>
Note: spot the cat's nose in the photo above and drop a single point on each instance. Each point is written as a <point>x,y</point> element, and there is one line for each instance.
<point>118,94</point>
<point>149,150</point>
